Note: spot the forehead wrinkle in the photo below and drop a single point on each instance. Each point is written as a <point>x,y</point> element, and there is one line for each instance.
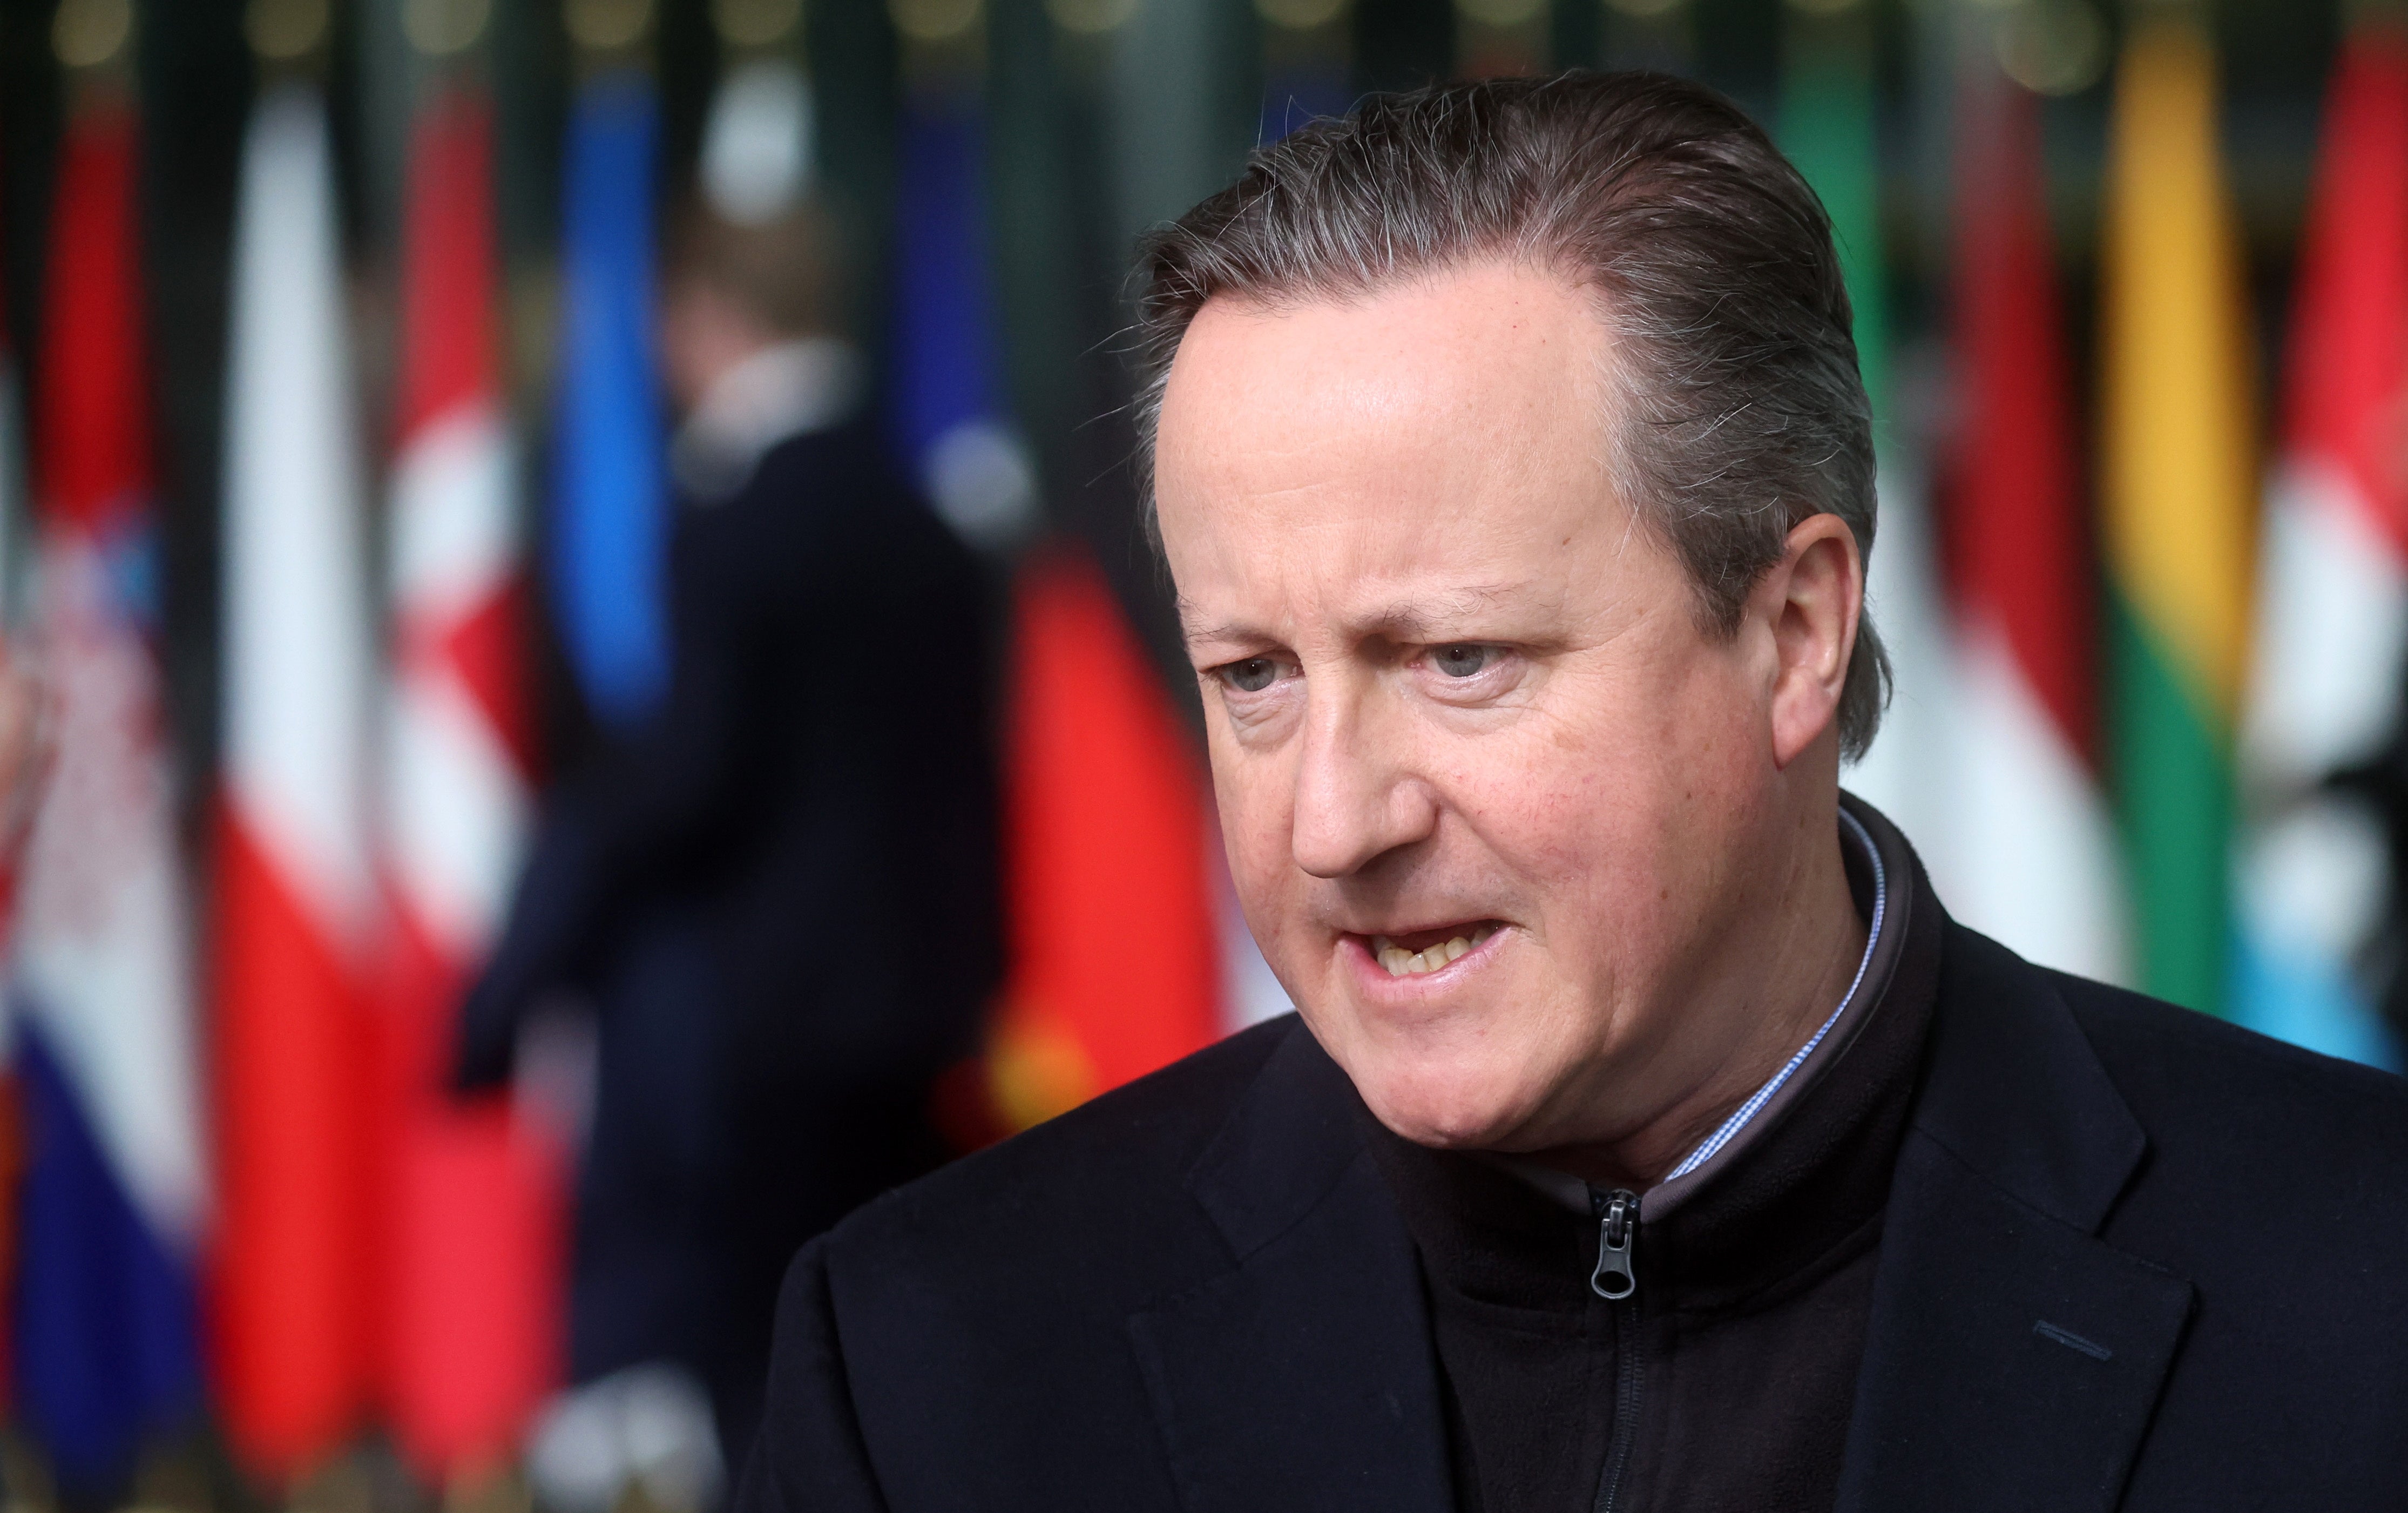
<point>1432,613</point>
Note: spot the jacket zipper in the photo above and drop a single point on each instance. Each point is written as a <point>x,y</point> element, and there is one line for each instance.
<point>1616,1280</point>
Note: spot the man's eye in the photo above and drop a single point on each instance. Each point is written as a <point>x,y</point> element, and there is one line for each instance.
<point>1462,661</point>
<point>1251,676</point>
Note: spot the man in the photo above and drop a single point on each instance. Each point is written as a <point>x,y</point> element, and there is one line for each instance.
<point>779,891</point>
<point>1651,1139</point>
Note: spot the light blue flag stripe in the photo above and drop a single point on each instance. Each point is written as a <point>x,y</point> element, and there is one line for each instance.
<point>2308,1001</point>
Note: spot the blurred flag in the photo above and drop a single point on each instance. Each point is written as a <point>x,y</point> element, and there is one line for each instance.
<point>948,408</point>
<point>2333,621</point>
<point>12,808</point>
<point>294,885</point>
<point>114,1197</point>
<point>15,515</point>
<point>608,544</point>
<point>472,1318</point>
<point>2178,481</point>
<point>1114,962</point>
<point>1828,129</point>
<point>1109,905</point>
<point>2029,804</point>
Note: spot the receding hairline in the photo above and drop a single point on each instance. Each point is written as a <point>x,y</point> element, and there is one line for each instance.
<point>1287,299</point>
<point>1345,286</point>
<point>1616,403</point>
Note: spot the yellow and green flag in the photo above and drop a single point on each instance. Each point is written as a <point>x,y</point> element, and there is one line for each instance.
<point>2178,487</point>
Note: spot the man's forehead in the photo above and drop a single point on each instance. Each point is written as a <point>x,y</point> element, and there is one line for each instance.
<point>1412,402</point>
<point>1425,464</point>
<point>1485,323</point>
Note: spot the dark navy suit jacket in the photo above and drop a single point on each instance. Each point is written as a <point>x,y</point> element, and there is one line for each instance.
<point>782,891</point>
<point>2133,1258</point>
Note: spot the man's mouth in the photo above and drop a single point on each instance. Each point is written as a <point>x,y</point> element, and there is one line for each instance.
<point>1419,951</point>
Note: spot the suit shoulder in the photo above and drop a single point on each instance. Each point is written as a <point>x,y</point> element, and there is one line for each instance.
<point>2191,1076</point>
<point>809,491</point>
<point>2124,1024</point>
<point>1097,1167</point>
<point>837,478</point>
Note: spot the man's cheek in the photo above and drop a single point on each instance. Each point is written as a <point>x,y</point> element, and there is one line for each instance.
<point>1266,880</point>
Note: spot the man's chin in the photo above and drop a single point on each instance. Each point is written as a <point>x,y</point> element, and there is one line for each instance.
<point>1460,1081</point>
<point>1449,1108</point>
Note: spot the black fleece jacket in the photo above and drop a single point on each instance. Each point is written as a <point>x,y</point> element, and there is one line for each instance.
<point>1725,1380</point>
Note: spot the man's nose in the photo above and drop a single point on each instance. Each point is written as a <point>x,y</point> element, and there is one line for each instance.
<point>1357,795</point>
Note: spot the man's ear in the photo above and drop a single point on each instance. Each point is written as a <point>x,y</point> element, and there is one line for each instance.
<point>1812,598</point>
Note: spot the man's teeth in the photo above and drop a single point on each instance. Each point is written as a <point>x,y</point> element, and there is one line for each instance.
<point>1403,963</point>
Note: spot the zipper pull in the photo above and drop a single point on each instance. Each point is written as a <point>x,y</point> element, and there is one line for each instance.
<point>1617,1276</point>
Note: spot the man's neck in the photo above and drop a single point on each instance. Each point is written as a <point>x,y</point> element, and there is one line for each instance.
<point>1816,942</point>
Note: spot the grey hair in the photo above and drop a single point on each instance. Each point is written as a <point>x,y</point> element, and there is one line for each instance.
<point>1741,410</point>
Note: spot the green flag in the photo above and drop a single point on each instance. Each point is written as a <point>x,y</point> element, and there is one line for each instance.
<point>1827,128</point>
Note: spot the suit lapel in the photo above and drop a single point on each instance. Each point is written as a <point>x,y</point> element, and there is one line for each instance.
<point>1304,1378</point>
<point>2013,1358</point>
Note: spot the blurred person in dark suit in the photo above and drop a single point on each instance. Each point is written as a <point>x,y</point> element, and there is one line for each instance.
<point>779,891</point>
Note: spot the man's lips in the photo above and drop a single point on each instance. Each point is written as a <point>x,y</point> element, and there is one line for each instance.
<point>1418,952</point>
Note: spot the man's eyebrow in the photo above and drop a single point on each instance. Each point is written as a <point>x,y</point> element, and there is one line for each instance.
<point>1197,633</point>
<point>1425,617</point>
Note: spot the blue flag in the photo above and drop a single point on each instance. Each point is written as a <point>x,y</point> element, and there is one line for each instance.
<point>951,420</point>
<point>946,349</point>
<point>107,1337</point>
<point>608,536</point>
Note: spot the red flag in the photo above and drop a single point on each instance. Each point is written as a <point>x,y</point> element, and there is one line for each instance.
<point>472,1313</point>
<point>1114,960</point>
<point>2349,364</point>
<point>2025,546</point>
<point>95,438</point>
<point>2025,691</point>
<point>295,891</point>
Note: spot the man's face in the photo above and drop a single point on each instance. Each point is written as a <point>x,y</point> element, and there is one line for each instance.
<point>703,334</point>
<point>1481,771</point>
